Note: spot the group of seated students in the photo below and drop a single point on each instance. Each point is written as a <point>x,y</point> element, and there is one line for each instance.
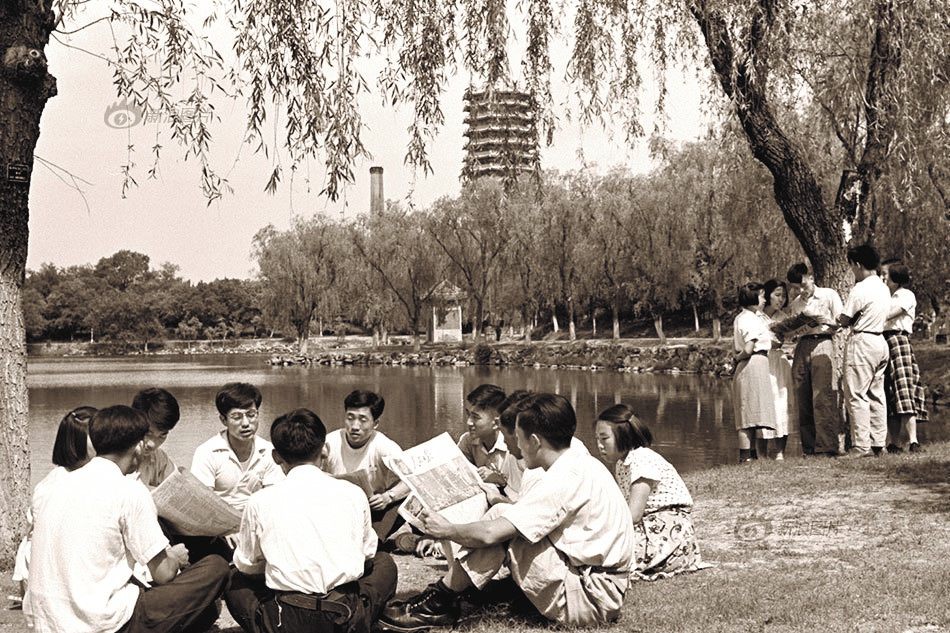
<point>308,554</point>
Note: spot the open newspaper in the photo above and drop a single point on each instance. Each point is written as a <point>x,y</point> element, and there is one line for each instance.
<point>193,509</point>
<point>441,480</point>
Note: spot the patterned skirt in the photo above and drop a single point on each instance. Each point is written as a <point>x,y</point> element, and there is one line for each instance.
<point>905,394</point>
<point>665,545</point>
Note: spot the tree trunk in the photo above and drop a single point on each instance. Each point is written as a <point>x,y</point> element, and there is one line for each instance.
<point>818,227</point>
<point>658,326</point>
<point>716,329</point>
<point>615,308</point>
<point>593,320</point>
<point>695,319</point>
<point>554,322</point>
<point>25,87</point>
<point>571,327</point>
<point>375,337</point>
<point>303,343</point>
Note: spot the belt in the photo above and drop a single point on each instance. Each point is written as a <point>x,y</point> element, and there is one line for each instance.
<point>760,352</point>
<point>312,602</point>
<point>893,332</point>
<point>867,332</point>
<point>817,335</point>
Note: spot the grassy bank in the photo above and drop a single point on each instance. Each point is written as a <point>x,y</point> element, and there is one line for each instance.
<point>805,545</point>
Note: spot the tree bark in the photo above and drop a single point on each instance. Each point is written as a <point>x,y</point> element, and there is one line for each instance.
<point>25,87</point>
<point>819,228</point>
<point>658,326</point>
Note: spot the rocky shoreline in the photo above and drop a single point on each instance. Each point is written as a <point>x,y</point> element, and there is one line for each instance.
<point>709,359</point>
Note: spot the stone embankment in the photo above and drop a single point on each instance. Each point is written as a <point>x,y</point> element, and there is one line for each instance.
<point>709,358</point>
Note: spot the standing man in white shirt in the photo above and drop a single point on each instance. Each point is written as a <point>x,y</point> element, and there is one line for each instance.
<point>93,525</point>
<point>306,556</point>
<point>866,312</point>
<point>815,374</point>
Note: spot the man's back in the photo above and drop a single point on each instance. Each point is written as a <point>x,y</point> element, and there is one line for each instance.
<point>313,531</point>
<point>91,528</point>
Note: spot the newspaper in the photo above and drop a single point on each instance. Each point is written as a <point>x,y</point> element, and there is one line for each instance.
<point>360,478</point>
<point>441,480</point>
<point>193,509</point>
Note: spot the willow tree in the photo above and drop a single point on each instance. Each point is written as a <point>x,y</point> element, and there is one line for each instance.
<point>875,68</point>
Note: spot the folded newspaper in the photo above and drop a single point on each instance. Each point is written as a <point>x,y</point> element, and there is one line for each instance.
<point>193,509</point>
<point>441,480</point>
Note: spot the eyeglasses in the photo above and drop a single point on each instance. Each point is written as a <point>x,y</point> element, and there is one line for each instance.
<point>237,416</point>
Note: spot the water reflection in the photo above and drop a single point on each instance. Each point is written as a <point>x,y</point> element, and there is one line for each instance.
<point>690,416</point>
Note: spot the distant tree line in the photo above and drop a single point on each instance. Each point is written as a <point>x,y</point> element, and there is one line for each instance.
<point>566,249</point>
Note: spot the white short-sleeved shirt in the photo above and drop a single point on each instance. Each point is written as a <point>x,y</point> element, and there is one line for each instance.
<point>872,299</point>
<point>93,525</point>
<point>475,451</point>
<point>750,326</point>
<point>371,457</point>
<point>906,300</point>
<point>308,533</point>
<point>578,506</point>
<point>531,475</point>
<point>667,488</point>
<point>824,304</point>
<point>215,465</point>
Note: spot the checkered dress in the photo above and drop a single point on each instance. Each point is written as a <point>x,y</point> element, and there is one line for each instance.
<point>905,394</point>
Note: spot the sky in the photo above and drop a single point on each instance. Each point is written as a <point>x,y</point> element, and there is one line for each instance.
<point>168,219</point>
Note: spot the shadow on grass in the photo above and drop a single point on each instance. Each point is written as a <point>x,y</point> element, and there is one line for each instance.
<point>932,474</point>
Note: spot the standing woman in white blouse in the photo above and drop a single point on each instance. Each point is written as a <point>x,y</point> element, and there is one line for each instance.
<point>906,396</point>
<point>664,540</point>
<point>752,398</point>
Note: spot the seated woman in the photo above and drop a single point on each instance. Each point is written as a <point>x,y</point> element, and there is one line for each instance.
<point>72,449</point>
<point>665,543</point>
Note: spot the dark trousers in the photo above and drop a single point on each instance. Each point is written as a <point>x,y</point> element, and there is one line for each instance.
<point>187,601</point>
<point>387,520</point>
<point>349,608</point>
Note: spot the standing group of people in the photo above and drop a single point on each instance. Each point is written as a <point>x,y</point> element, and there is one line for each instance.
<point>876,387</point>
<point>308,555</point>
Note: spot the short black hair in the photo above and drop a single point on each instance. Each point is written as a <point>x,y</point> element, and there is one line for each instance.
<point>159,406</point>
<point>359,398</point>
<point>116,429</point>
<point>550,416</point>
<point>486,397</point>
<point>511,407</point>
<point>749,294</point>
<point>298,436</point>
<point>898,273</point>
<point>797,272</point>
<point>70,448</point>
<point>769,287</point>
<point>865,256</point>
<point>237,395</point>
<point>629,432</point>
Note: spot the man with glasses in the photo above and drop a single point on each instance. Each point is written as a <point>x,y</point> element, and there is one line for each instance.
<point>236,463</point>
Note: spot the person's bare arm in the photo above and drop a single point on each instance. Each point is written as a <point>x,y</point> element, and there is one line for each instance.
<point>166,564</point>
<point>477,534</point>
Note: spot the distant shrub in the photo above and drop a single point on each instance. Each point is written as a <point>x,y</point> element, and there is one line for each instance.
<point>482,354</point>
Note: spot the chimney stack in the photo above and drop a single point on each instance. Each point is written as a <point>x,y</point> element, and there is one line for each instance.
<point>377,201</point>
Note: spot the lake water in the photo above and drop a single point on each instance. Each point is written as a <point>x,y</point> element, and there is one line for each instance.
<point>690,416</point>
